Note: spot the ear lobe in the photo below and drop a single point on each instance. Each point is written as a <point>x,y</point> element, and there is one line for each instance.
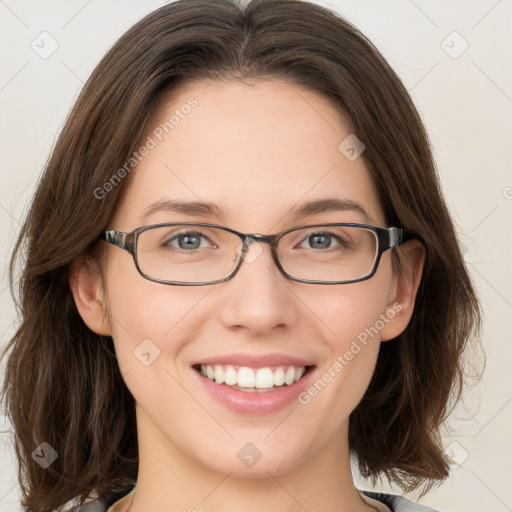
<point>402,295</point>
<point>87,289</point>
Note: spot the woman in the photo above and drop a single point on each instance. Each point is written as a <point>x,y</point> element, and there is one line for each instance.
<point>240,273</point>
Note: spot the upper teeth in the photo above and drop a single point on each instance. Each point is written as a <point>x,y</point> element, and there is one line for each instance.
<point>246,377</point>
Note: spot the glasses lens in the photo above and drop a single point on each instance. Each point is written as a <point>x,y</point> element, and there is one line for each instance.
<point>187,253</point>
<point>199,254</point>
<point>328,253</point>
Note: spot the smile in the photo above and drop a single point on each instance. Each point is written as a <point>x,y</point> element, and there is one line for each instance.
<point>244,378</point>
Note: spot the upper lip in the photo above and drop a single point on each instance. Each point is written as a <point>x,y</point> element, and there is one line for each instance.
<point>255,361</point>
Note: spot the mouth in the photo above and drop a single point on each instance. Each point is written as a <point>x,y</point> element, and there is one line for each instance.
<point>253,380</point>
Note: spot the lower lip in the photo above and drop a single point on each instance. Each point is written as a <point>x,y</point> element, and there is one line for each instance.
<point>255,403</point>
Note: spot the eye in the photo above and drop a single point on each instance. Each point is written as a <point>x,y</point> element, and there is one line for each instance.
<point>187,241</point>
<point>323,240</point>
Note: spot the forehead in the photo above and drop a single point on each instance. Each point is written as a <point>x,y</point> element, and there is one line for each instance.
<point>255,149</point>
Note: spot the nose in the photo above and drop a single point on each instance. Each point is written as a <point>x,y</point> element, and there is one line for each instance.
<point>258,298</point>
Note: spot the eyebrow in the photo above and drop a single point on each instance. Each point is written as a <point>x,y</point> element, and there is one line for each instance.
<point>190,208</point>
<point>204,209</point>
<point>329,205</point>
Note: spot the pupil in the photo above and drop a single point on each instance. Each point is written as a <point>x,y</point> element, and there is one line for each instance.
<point>316,241</point>
<point>190,242</point>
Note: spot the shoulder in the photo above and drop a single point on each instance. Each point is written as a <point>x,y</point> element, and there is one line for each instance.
<point>398,503</point>
<point>92,504</point>
<point>95,503</point>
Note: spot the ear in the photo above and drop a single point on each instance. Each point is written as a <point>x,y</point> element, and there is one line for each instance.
<point>86,286</point>
<point>403,292</point>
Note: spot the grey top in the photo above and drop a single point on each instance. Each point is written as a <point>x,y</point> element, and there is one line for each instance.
<point>393,502</point>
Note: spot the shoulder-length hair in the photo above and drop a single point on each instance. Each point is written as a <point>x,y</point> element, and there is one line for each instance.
<point>63,385</point>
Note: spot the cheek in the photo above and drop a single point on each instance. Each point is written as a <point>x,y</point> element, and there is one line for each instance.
<point>148,317</point>
<point>151,324</point>
<point>353,318</point>
<point>351,311</point>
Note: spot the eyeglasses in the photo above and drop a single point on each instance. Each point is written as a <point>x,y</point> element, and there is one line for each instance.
<point>194,254</point>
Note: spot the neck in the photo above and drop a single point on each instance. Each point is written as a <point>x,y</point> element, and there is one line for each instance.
<point>170,479</point>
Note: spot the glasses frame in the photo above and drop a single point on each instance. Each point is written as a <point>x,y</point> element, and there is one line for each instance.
<point>387,238</point>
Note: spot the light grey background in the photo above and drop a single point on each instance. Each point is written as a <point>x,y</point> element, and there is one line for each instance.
<point>465,98</point>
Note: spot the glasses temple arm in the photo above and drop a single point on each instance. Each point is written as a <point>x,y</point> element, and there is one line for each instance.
<point>119,239</point>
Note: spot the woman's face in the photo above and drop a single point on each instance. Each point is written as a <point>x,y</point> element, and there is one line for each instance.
<point>257,152</point>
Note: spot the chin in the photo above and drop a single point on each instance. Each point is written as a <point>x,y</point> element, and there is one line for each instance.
<point>252,460</point>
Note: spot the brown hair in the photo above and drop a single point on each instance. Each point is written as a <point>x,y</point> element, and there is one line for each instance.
<point>63,384</point>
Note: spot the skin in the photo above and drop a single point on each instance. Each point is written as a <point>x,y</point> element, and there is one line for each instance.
<point>275,145</point>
